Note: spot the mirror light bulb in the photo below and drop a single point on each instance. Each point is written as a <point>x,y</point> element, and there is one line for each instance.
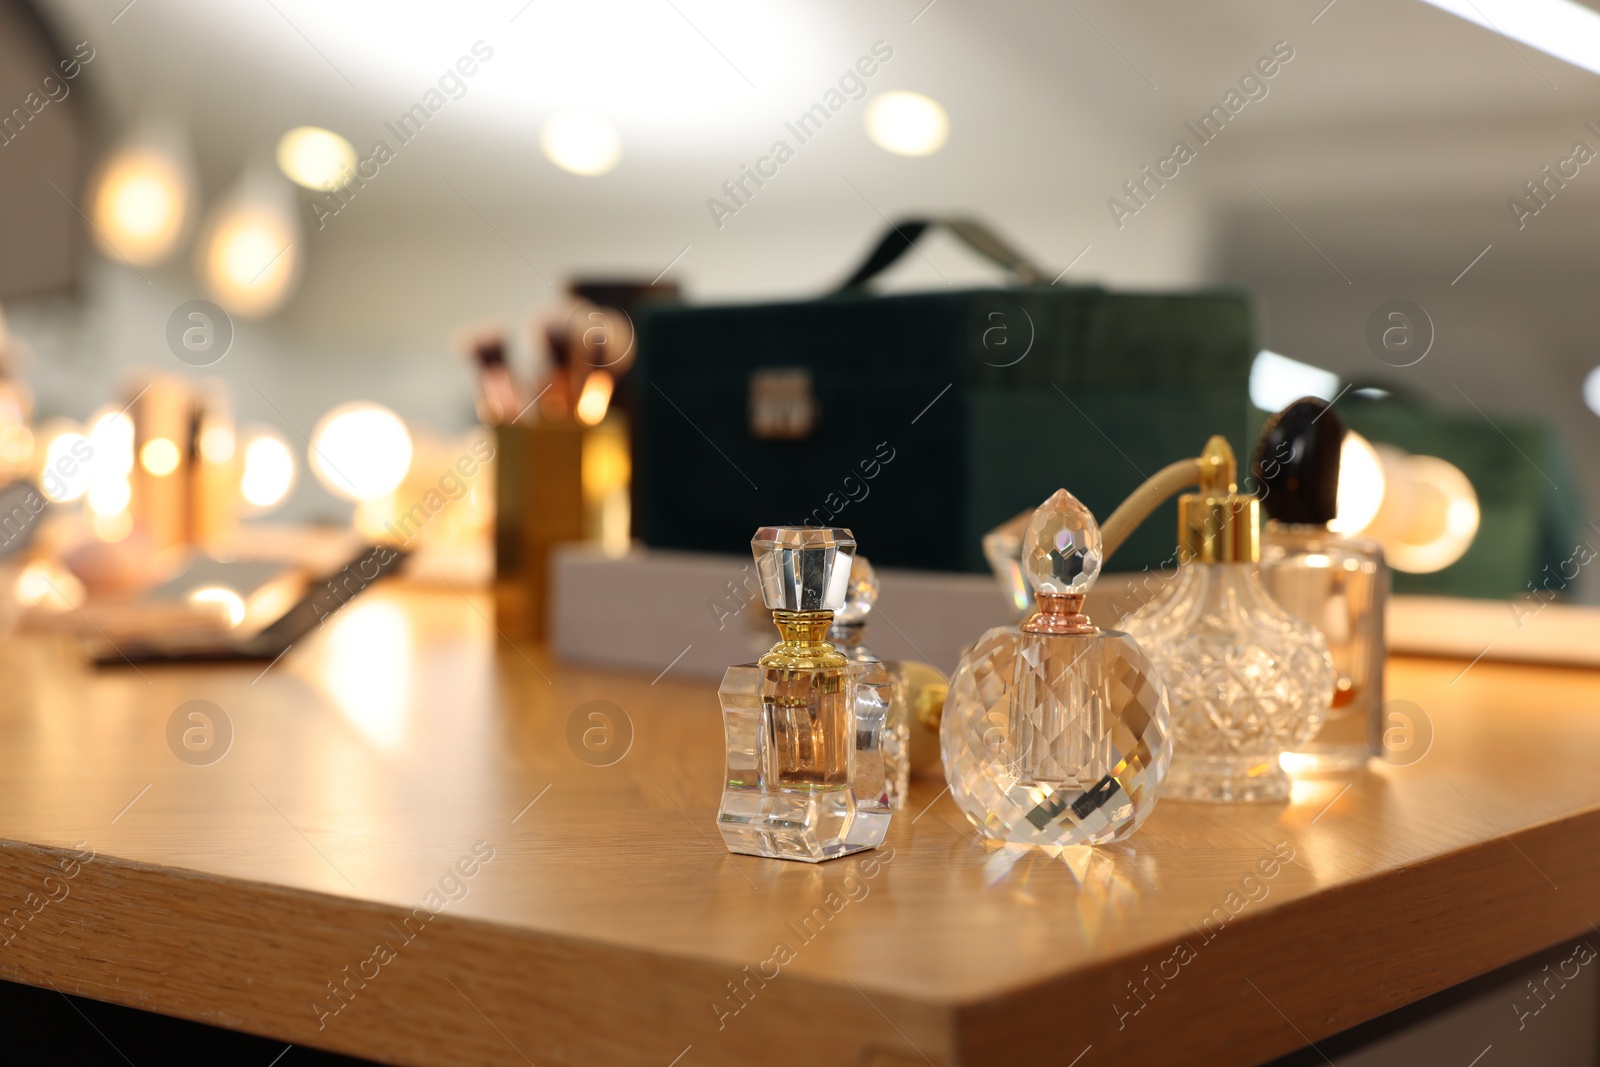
<point>268,470</point>
<point>360,451</point>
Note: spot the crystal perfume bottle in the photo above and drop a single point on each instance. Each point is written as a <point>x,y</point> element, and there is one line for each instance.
<point>1056,732</point>
<point>1340,585</point>
<point>848,635</point>
<point>804,724</point>
<point>1246,680</point>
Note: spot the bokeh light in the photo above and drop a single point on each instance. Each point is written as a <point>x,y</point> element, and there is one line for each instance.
<point>360,451</point>
<point>907,124</point>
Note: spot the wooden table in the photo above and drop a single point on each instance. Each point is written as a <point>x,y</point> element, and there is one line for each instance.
<point>610,927</point>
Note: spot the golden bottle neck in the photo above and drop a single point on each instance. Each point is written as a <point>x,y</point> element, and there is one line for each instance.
<point>1225,528</point>
<point>803,641</point>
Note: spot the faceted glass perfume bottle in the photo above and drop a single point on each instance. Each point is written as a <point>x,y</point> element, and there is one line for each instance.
<point>1247,681</point>
<point>804,725</point>
<point>848,635</point>
<point>1055,732</point>
<point>1340,585</point>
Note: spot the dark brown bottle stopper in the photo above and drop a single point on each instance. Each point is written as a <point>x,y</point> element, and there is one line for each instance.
<point>1297,463</point>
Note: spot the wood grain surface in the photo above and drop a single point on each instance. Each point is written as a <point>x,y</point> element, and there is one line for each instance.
<point>402,856</point>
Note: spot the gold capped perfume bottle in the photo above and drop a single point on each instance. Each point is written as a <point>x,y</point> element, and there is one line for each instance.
<point>1247,681</point>
<point>1056,732</point>
<point>804,725</point>
<point>1340,585</point>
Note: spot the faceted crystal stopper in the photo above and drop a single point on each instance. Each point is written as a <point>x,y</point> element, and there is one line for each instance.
<point>803,568</point>
<point>1061,550</point>
<point>860,594</point>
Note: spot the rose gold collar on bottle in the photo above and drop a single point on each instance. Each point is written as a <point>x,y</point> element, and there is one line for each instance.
<point>1059,613</point>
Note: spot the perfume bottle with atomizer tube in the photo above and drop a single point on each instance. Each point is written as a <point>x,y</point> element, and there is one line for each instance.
<point>1247,680</point>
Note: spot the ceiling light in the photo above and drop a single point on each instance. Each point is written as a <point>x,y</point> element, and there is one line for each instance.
<point>141,196</point>
<point>248,256</point>
<point>907,124</point>
<point>316,158</point>
<point>581,142</point>
<point>360,451</point>
<point>1278,381</point>
<point>1561,28</point>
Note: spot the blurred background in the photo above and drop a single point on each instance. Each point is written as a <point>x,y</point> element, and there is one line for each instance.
<point>388,202</point>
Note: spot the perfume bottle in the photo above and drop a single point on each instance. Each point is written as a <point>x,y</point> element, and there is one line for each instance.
<point>804,724</point>
<point>1246,680</point>
<point>1340,585</point>
<point>848,635</point>
<point>1056,732</point>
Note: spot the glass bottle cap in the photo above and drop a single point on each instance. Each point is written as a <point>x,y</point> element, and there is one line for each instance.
<point>803,568</point>
<point>861,592</point>
<point>1061,550</point>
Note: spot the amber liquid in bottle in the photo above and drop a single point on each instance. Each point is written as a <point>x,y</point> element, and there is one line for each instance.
<point>807,707</point>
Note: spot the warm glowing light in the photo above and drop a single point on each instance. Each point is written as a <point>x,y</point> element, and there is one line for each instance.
<point>139,204</point>
<point>248,256</point>
<point>268,470</point>
<point>360,451</point>
<point>1361,485</point>
<point>907,124</point>
<point>33,584</point>
<point>216,444</point>
<point>1442,520</point>
<point>580,142</point>
<point>109,496</point>
<point>67,471</point>
<point>159,456</point>
<point>112,527</point>
<point>16,445</point>
<point>111,437</point>
<point>230,603</point>
<point>607,469</point>
<point>316,158</point>
<point>595,399</point>
<point>366,669</point>
<point>250,263</point>
<point>50,585</point>
<point>1429,516</point>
